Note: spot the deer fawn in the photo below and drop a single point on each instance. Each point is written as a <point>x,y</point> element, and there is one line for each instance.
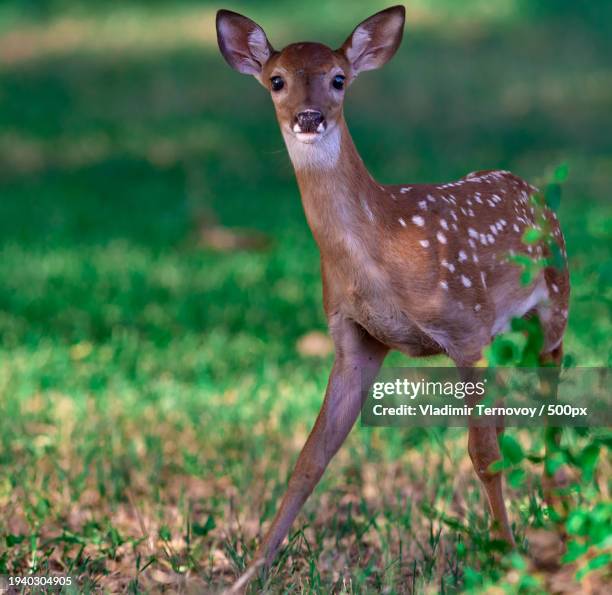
<point>420,268</point>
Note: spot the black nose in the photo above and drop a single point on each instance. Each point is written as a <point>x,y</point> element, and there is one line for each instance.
<point>309,120</point>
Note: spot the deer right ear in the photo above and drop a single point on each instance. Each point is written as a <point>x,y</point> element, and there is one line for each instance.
<point>242,42</point>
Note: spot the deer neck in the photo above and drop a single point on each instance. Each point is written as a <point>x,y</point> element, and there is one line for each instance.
<point>336,188</point>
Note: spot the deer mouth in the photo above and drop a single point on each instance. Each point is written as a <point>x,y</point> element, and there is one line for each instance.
<point>309,136</point>
<point>309,126</point>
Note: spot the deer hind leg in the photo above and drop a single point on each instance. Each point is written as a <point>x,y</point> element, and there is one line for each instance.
<point>483,448</point>
<point>552,483</point>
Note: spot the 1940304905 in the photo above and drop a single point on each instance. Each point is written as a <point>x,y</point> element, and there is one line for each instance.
<point>36,580</point>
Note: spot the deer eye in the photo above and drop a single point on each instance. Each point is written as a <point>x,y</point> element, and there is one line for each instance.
<point>338,82</point>
<point>277,83</point>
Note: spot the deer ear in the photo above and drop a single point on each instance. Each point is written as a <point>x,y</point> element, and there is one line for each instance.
<point>242,42</point>
<point>374,41</point>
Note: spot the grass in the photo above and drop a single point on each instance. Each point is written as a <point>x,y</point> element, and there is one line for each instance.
<point>153,395</point>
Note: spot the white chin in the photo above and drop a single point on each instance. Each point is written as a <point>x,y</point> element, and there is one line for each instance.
<point>308,137</point>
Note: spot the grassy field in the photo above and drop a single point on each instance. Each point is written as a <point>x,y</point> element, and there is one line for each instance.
<point>153,397</point>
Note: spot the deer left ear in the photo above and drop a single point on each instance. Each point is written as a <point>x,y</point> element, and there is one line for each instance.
<point>374,41</point>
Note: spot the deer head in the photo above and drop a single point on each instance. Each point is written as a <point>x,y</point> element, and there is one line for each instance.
<point>307,81</point>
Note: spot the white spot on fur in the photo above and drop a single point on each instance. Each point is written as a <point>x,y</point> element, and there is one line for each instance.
<point>418,220</point>
<point>441,237</point>
<point>402,222</point>
<point>466,281</point>
<point>424,243</point>
<point>448,265</point>
<point>462,256</point>
<point>444,285</point>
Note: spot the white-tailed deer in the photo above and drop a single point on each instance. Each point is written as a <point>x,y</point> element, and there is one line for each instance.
<point>420,268</point>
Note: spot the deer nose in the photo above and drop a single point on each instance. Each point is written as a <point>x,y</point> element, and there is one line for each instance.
<point>309,120</point>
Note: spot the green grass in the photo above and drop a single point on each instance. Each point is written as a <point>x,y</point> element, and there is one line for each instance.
<point>153,397</point>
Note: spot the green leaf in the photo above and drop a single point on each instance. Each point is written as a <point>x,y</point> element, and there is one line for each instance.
<point>577,521</point>
<point>507,349</point>
<point>554,462</point>
<point>526,277</point>
<point>532,235</point>
<point>569,361</point>
<point>534,339</point>
<point>575,550</point>
<point>516,477</point>
<point>164,533</point>
<point>593,564</point>
<point>561,172</point>
<point>588,461</point>
<point>472,578</point>
<point>553,196</point>
<point>204,529</point>
<point>520,259</point>
<point>518,561</point>
<point>115,537</point>
<point>497,466</point>
<point>556,258</point>
<point>511,449</point>
<point>12,540</point>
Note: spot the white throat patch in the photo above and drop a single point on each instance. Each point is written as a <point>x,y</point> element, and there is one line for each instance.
<point>322,154</point>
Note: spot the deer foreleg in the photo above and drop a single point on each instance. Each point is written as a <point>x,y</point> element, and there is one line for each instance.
<point>358,359</point>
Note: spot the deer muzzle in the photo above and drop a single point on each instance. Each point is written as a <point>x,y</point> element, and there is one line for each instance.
<point>309,122</point>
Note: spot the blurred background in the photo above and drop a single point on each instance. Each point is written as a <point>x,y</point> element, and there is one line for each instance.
<point>162,342</point>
